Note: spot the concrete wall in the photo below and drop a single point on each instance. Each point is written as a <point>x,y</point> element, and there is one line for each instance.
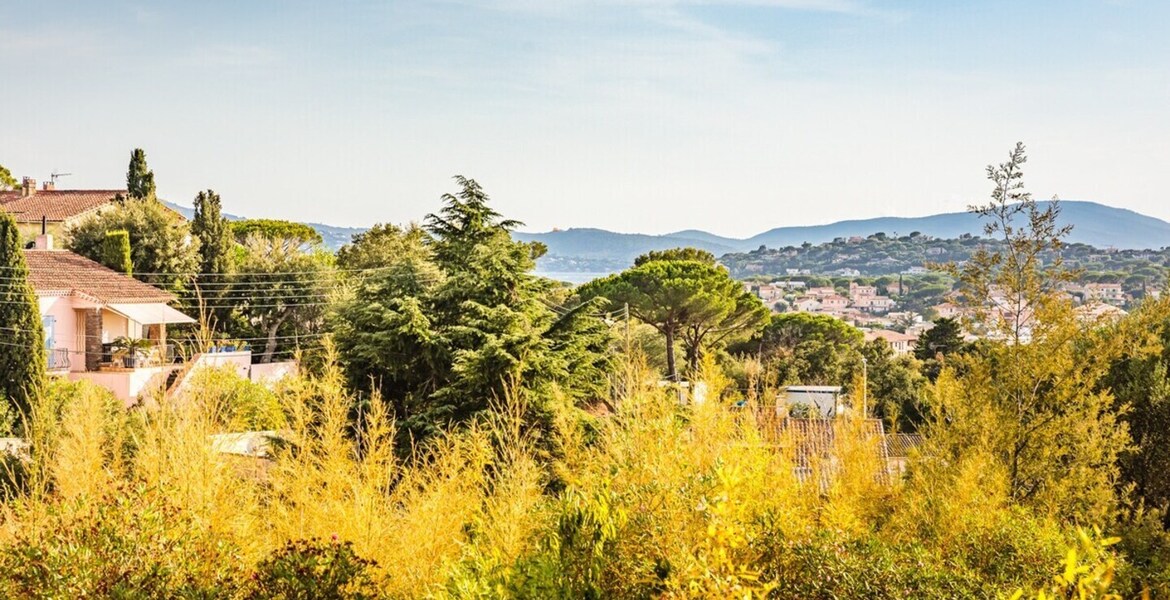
<point>126,385</point>
<point>267,373</point>
<point>242,361</point>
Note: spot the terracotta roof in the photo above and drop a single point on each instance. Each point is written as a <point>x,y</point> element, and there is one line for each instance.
<point>900,444</point>
<point>815,440</point>
<point>63,272</point>
<point>890,336</point>
<point>55,205</point>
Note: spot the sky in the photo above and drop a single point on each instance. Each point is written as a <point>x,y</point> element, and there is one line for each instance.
<point>731,116</point>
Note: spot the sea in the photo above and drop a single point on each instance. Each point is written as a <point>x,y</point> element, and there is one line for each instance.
<point>573,277</point>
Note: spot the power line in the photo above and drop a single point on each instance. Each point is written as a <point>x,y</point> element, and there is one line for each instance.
<point>253,284</point>
<point>194,274</point>
<point>254,352</point>
<point>226,337</point>
<point>216,284</point>
<point>233,305</point>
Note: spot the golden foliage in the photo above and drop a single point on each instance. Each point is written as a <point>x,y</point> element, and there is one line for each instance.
<point>656,499</point>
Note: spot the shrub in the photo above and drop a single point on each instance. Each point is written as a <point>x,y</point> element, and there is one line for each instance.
<point>239,404</point>
<point>827,566</point>
<point>104,549</point>
<point>314,570</point>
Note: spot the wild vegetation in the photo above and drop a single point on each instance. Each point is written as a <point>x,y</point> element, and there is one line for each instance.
<point>652,500</point>
<point>463,429</point>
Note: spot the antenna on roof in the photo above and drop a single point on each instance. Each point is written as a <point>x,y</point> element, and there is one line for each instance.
<point>55,175</point>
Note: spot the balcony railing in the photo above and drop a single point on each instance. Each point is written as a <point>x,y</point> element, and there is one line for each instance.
<point>58,359</point>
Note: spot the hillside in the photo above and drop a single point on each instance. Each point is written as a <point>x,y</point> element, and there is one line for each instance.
<point>599,250</point>
<point>879,254</point>
<point>1093,224</point>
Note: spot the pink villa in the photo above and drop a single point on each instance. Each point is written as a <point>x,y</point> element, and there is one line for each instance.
<point>85,307</point>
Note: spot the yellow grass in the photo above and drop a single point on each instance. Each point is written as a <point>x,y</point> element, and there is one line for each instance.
<point>655,500</point>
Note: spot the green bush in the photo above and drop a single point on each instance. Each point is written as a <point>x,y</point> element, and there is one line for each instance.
<point>1013,549</point>
<point>1145,555</point>
<point>827,566</point>
<point>239,403</point>
<point>314,570</point>
<point>105,551</point>
<point>115,251</point>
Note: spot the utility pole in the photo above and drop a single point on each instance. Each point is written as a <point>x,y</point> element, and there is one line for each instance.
<point>626,310</point>
<point>864,387</point>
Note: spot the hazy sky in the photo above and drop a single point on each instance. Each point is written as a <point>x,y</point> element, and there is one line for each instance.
<point>633,115</point>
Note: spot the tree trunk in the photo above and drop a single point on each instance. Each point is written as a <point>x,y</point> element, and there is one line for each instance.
<point>693,340</point>
<point>270,345</point>
<point>671,372</point>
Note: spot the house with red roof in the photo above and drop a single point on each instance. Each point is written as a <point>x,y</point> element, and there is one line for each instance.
<point>901,343</point>
<point>57,210</point>
<point>86,308</point>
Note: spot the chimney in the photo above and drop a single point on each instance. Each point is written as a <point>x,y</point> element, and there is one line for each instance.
<point>44,242</point>
<point>49,186</point>
<point>28,187</point>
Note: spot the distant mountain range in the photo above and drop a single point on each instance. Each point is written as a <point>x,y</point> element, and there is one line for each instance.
<point>599,250</point>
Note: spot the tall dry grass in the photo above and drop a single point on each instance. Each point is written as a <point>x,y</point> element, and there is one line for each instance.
<point>653,499</point>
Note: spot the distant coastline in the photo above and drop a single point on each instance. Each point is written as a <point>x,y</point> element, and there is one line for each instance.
<point>573,277</point>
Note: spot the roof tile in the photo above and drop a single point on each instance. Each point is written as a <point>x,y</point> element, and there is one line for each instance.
<point>61,271</point>
<point>54,205</point>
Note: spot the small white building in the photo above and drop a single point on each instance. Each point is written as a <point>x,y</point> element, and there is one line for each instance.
<point>824,400</point>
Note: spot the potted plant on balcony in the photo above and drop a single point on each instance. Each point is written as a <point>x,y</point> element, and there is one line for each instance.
<point>131,350</point>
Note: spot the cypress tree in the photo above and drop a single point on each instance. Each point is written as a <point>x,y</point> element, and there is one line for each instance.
<point>213,231</point>
<point>22,351</point>
<point>139,178</point>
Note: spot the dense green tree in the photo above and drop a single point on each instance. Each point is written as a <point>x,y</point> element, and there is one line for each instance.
<point>895,385</point>
<point>938,342</point>
<point>115,251</point>
<point>139,178</point>
<point>453,321</point>
<point>22,351</point>
<point>686,300</point>
<point>7,181</point>
<point>286,232</point>
<point>695,254</point>
<point>807,349</point>
<point>1139,380</point>
<point>162,249</point>
<point>790,329</point>
<point>214,233</point>
<point>946,337</point>
<point>383,245</point>
<point>279,294</point>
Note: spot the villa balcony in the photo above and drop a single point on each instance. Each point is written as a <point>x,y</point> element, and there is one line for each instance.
<point>59,360</point>
<point>159,368</point>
